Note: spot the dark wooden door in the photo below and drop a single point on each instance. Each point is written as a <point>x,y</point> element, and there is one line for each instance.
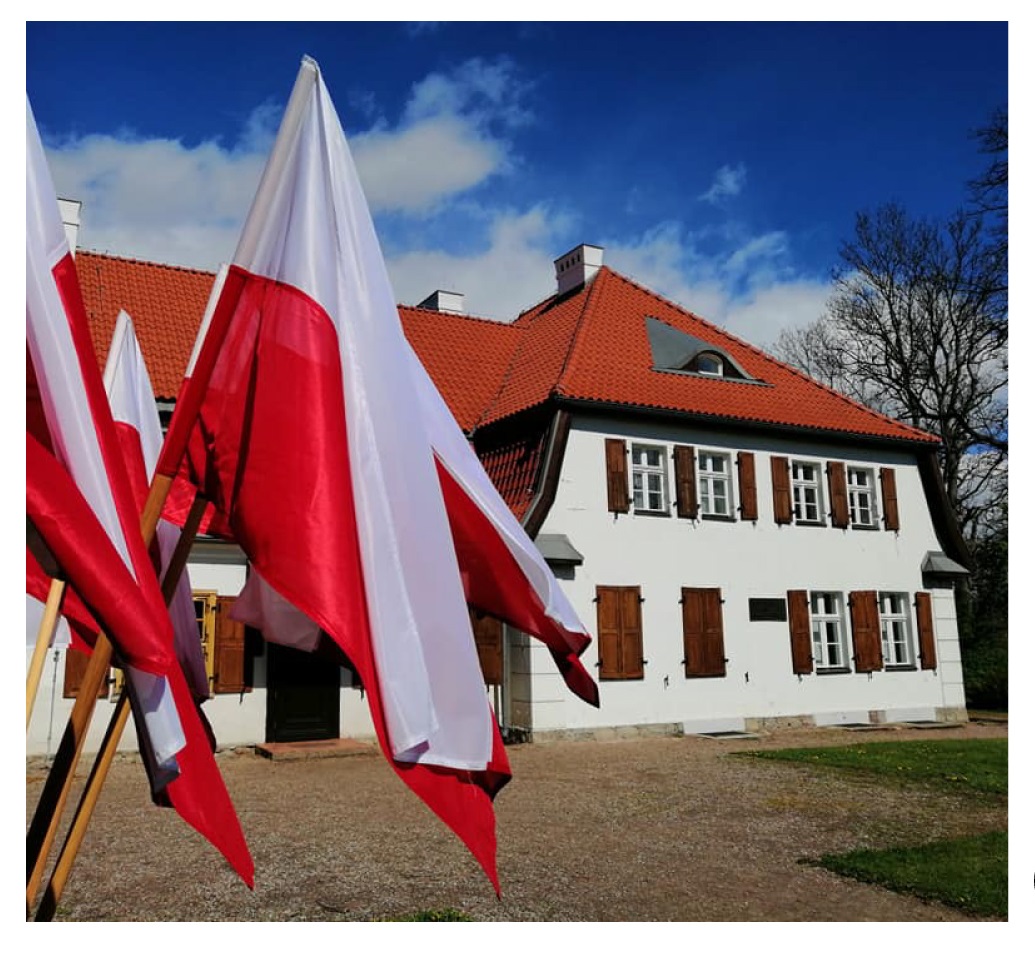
<point>302,697</point>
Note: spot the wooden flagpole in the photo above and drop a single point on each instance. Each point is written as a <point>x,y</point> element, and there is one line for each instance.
<point>99,773</point>
<point>45,821</point>
<point>44,635</point>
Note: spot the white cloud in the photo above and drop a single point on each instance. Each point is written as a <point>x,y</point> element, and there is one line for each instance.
<point>485,92</point>
<point>163,201</point>
<point>772,309</point>
<point>158,199</point>
<point>511,273</point>
<point>728,181</point>
<point>184,205</point>
<point>417,168</point>
<point>747,289</point>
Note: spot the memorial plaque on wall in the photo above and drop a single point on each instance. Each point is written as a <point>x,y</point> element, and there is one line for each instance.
<point>767,610</point>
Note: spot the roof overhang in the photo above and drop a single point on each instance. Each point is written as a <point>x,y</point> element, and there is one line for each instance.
<point>557,550</point>
<point>936,563</point>
<point>646,411</point>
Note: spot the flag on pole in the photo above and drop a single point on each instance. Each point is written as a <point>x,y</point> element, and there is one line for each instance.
<point>139,430</point>
<point>304,403</point>
<point>503,573</point>
<point>72,429</point>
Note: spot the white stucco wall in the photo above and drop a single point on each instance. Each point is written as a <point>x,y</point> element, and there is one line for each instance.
<point>233,717</point>
<point>745,560</point>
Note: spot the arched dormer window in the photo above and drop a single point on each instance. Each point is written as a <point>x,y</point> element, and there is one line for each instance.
<point>707,362</point>
<point>677,352</point>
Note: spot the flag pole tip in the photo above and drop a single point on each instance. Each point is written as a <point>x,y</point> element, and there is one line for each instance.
<point>310,62</point>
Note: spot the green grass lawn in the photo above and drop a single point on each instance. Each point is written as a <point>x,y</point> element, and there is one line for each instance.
<point>968,873</point>
<point>978,765</point>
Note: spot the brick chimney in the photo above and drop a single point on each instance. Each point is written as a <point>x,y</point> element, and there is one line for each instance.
<point>578,266</point>
<point>451,302</point>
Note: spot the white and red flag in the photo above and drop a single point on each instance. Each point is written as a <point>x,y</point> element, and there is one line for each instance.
<point>69,422</point>
<point>303,417</point>
<point>139,430</point>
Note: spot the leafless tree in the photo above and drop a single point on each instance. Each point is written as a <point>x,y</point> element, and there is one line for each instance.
<point>915,328</point>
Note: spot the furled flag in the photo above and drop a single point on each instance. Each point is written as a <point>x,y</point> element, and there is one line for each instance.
<point>303,419</point>
<point>73,426</point>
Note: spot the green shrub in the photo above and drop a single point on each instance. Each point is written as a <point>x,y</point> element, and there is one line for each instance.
<point>986,675</point>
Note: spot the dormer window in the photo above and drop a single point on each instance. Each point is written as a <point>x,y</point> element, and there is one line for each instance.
<point>707,363</point>
<point>677,352</point>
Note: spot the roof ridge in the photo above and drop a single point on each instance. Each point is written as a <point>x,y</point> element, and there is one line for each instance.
<point>765,355</point>
<point>482,319</point>
<point>527,326</point>
<point>90,253</point>
<point>504,377</point>
<point>591,295</point>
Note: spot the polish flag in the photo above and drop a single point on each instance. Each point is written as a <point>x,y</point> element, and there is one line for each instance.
<point>305,405</point>
<point>139,430</point>
<point>72,426</point>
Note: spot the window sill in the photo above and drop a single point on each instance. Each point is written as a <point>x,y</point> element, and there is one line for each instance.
<point>717,518</point>
<point>652,513</point>
<point>840,670</point>
<point>822,523</point>
<point>866,527</point>
<point>621,678</point>
<point>900,668</point>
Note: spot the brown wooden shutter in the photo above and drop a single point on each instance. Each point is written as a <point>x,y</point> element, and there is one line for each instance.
<point>866,631</point>
<point>488,640</point>
<point>609,632</point>
<point>889,494</point>
<point>75,669</point>
<point>229,658</point>
<point>838,494</point>
<point>925,630</point>
<point>781,489</point>
<point>619,632</point>
<point>632,633</point>
<point>747,485</point>
<point>686,483</point>
<point>703,647</point>
<point>801,631</point>
<point>617,476</point>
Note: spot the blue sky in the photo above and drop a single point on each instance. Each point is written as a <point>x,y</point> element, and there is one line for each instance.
<point>720,164</point>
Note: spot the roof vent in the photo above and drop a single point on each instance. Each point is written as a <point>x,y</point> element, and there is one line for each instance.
<point>451,302</point>
<point>578,266</point>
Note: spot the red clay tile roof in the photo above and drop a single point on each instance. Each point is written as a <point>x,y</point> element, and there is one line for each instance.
<point>593,346</point>
<point>166,304</point>
<point>590,345</point>
<point>513,467</point>
<point>465,356</point>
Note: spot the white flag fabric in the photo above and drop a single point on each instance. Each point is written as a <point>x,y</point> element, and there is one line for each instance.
<point>72,419</point>
<point>135,412</point>
<point>310,228</point>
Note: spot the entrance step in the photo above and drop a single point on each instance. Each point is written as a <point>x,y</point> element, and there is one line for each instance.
<point>308,750</point>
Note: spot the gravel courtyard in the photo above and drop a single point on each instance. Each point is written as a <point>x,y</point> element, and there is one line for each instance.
<point>651,829</point>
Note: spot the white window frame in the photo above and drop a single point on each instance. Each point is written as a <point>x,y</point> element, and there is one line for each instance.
<point>829,634</point>
<point>862,497</point>
<point>800,487</point>
<point>714,485</point>
<point>649,480</point>
<point>896,631</point>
